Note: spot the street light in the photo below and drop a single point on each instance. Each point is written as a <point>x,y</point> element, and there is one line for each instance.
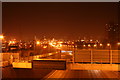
<point>91,40</point>
<point>108,44</point>
<point>44,47</point>
<point>118,45</point>
<point>89,45</point>
<point>101,44</point>
<point>82,40</point>
<point>84,45</point>
<point>110,53</point>
<point>1,37</point>
<point>38,42</point>
<point>95,45</point>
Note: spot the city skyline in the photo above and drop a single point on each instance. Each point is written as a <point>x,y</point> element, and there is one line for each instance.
<point>60,40</point>
<point>58,20</point>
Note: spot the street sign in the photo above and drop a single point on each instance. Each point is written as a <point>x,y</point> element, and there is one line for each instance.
<point>54,64</point>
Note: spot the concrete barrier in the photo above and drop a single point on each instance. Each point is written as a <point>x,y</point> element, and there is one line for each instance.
<point>22,65</point>
<point>54,64</point>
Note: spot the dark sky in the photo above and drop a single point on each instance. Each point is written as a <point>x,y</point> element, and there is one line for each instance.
<point>59,20</point>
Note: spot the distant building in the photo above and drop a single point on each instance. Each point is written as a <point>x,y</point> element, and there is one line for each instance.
<point>112,34</point>
<point>119,22</point>
<point>119,19</point>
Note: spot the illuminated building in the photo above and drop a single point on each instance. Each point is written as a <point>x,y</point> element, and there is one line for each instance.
<point>112,31</point>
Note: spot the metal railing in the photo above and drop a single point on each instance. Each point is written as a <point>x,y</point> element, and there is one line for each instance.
<point>97,56</point>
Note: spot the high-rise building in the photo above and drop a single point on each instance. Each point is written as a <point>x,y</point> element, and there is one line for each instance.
<point>119,20</point>
<point>112,31</point>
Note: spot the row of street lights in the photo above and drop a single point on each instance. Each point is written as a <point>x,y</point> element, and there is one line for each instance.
<point>95,45</point>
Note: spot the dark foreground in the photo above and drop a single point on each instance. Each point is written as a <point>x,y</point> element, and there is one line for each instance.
<point>10,73</point>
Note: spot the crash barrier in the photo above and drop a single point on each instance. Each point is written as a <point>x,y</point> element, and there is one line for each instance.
<point>55,64</point>
<point>22,65</point>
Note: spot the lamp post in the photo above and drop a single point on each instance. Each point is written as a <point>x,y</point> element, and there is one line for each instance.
<point>101,45</point>
<point>37,46</point>
<point>91,54</point>
<point>118,45</point>
<point>95,45</point>
<point>110,53</point>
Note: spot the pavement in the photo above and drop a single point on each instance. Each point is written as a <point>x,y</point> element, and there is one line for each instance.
<point>71,74</point>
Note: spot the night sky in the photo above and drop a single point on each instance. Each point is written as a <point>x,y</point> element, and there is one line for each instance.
<point>58,20</point>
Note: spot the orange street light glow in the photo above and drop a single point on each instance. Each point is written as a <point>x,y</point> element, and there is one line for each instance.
<point>60,42</point>
<point>44,46</point>
<point>60,45</point>
<point>83,45</point>
<point>95,45</point>
<point>1,37</point>
<point>38,42</point>
<point>89,45</point>
<point>91,40</point>
<point>108,44</point>
<point>118,43</point>
<point>13,42</point>
<point>101,44</point>
<point>70,53</point>
<point>75,45</point>
<point>82,40</point>
<point>72,42</point>
<point>10,42</point>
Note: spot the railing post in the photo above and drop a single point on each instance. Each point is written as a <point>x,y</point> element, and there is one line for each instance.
<point>110,56</point>
<point>91,56</point>
<point>74,57</point>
